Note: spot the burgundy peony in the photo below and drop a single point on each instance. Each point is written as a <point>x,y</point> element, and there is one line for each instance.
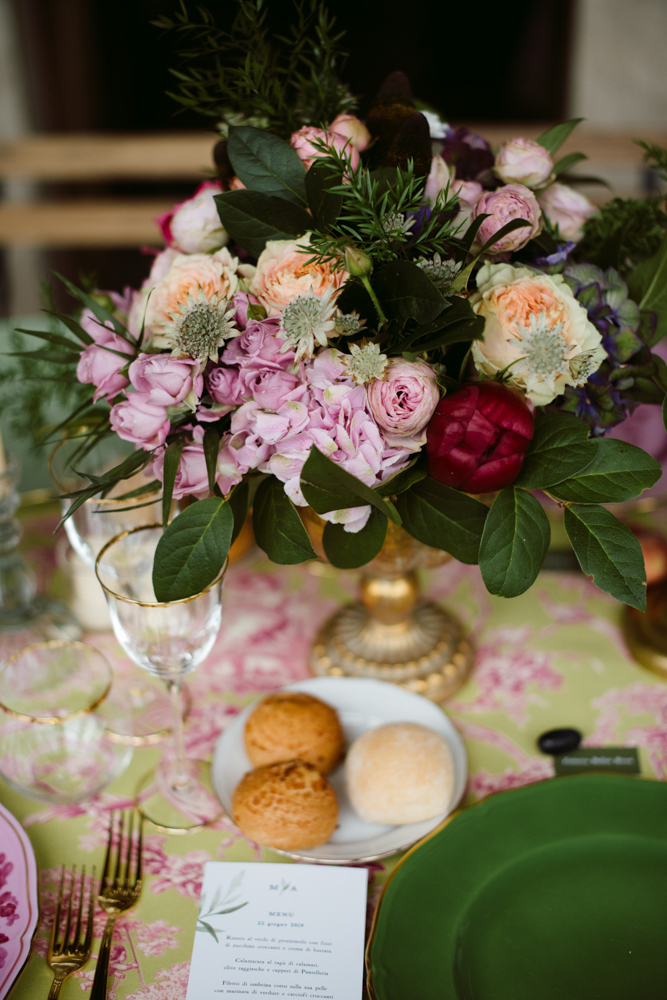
<point>478,437</point>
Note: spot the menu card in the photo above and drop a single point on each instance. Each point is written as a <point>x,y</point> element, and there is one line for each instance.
<point>279,930</point>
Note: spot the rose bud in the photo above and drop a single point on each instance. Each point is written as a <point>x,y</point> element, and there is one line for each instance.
<point>478,437</point>
<point>521,161</point>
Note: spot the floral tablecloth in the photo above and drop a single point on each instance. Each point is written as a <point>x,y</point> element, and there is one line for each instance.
<point>553,657</point>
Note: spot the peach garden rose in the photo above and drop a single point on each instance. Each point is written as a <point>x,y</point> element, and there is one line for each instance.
<point>283,274</point>
<point>535,330</point>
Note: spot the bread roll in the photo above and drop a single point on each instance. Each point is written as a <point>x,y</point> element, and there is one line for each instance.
<point>290,806</point>
<point>289,725</point>
<point>399,773</point>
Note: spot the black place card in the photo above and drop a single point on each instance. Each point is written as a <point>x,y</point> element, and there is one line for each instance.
<point>622,760</point>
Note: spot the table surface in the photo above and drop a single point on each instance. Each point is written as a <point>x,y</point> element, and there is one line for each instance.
<point>552,657</point>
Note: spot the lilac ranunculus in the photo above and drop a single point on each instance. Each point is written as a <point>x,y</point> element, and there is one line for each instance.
<point>167,381</point>
<point>403,402</point>
<point>513,201</point>
<point>138,420</point>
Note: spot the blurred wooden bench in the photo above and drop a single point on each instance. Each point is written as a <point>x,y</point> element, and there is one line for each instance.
<point>186,156</point>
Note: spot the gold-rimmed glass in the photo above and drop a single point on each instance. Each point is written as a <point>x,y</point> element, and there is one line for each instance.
<point>168,640</point>
<point>94,523</point>
<point>58,721</point>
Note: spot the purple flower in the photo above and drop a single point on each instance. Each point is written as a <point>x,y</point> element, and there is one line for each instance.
<point>138,420</point>
<point>468,153</point>
<point>167,381</point>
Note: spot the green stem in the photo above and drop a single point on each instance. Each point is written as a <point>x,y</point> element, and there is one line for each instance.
<point>378,308</point>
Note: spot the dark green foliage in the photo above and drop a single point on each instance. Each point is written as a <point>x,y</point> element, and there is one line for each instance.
<point>243,75</point>
<point>624,233</point>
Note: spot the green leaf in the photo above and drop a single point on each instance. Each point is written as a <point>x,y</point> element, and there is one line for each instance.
<point>172,458</point>
<point>514,543</point>
<point>608,552</point>
<point>443,518</point>
<point>618,472</point>
<point>279,530</point>
<point>230,909</point>
<point>324,203</point>
<point>350,550</point>
<point>193,549</point>
<point>209,930</point>
<point>407,293</point>
<point>328,486</point>
<point>560,448</point>
<point>555,136</point>
<point>211,448</point>
<point>251,218</point>
<point>239,501</point>
<point>456,323</point>
<point>266,163</point>
<point>568,161</point>
<point>52,338</point>
<point>648,286</point>
<point>102,315</point>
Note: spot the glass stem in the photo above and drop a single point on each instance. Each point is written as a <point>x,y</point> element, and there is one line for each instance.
<point>181,777</point>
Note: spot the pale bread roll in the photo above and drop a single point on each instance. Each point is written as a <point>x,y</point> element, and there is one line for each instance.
<point>290,725</point>
<point>399,773</point>
<point>290,806</point>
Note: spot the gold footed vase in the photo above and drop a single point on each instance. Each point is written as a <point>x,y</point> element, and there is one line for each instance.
<point>646,632</point>
<point>392,633</point>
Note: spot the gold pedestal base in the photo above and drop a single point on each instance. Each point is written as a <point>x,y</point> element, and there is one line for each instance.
<point>646,632</point>
<point>426,653</point>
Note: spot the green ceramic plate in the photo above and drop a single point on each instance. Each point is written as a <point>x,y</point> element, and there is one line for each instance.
<point>554,891</point>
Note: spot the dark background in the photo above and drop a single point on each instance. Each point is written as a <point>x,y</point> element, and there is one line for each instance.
<point>97,65</point>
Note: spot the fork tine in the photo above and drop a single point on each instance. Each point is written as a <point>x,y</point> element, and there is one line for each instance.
<point>107,859</point>
<point>77,929</point>
<point>69,909</point>
<point>119,854</point>
<point>91,908</point>
<point>128,851</point>
<point>56,918</point>
<point>140,838</point>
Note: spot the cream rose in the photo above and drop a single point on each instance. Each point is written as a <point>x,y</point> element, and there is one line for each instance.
<point>566,208</point>
<point>283,273</point>
<point>534,325</point>
<point>523,161</point>
<point>192,276</point>
<point>438,179</point>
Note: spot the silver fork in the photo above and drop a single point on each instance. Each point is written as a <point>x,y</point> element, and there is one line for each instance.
<point>64,956</point>
<point>118,893</point>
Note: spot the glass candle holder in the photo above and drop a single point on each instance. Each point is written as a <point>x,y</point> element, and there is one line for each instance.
<point>58,713</point>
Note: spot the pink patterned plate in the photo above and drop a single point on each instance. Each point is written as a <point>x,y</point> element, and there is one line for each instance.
<point>19,907</point>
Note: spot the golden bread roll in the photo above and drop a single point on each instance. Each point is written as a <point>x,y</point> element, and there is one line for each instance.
<point>289,725</point>
<point>290,805</point>
<point>399,773</point>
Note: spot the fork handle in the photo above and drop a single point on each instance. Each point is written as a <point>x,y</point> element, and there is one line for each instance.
<point>99,990</point>
<point>54,992</point>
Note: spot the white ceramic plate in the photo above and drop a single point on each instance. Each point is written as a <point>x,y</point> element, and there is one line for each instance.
<point>18,888</point>
<point>361,704</point>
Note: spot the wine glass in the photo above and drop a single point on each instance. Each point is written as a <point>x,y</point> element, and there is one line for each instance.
<point>168,639</point>
<point>58,713</point>
<point>94,523</point>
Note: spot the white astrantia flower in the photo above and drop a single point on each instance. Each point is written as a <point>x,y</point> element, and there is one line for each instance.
<point>438,128</point>
<point>441,272</point>
<point>396,224</point>
<point>305,321</point>
<point>201,328</point>
<point>347,324</point>
<point>365,363</point>
<point>544,348</point>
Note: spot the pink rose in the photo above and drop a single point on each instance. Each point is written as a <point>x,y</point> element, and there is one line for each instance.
<point>566,208</point>
<point>351,128</point>
<point>270,388</point>
<point>437,180</point>
<point>101,367</point>
<point>302,142</point>
<point>283,274</point>
<point>258,346</point>
<point>404,403</point>
<point>194,226</point>
<point>167,381</point>
<point>224,385</point>
<point>523,161</point>
<point>514,201</point>
<point>468,194</point>
<point>137,420</point>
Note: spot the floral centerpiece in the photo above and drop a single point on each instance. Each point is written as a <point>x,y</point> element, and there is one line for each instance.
<point>381,319</point>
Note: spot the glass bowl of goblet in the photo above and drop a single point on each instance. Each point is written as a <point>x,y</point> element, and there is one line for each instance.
<point>168,640</point>
<point>58,712</point>
<point>94,523</point>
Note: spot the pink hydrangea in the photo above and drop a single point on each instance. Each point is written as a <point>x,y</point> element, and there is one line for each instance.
<point>192,474</point>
